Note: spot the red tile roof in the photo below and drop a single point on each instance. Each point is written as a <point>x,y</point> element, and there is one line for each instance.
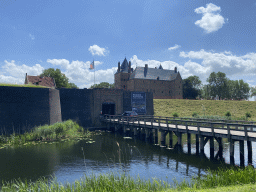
<point>43,81</point>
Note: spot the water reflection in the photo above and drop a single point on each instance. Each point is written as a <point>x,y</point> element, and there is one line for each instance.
<point>68,161</point>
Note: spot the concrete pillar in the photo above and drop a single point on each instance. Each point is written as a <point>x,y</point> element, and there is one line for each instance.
<point>124,129</point>
<point>231,150</point>
<point>201,144</point>
<point>163,138</point>
<point>170,139</point>
<point>189,142</point>
<point>211,148</point>
<point>249,147</point>
<point>241,147</point>
<point>197,144</point>
<point>147,133</point>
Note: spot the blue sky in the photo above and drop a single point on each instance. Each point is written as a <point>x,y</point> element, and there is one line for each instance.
<point>197,36</point>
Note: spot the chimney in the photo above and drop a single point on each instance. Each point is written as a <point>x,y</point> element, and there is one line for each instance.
<point>118,70</point>
<point>146,66</point>
<point>145,70</point>
<point>129,67</point>
<point>132,70</point>
<point>175,69</point>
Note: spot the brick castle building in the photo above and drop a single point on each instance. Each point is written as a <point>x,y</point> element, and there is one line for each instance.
<point>165,84</point>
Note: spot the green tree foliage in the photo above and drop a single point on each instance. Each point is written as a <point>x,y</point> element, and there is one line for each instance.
<point>218,85</point>
<point>239,90</point>
<point>103,85</point>
<point>60,79</point>
<point>253,91</point>
<point>191,87</point>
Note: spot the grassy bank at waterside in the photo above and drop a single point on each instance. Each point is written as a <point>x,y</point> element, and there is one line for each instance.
<point>205,108</point>
<point>59,131</point>
<point>235,179</point>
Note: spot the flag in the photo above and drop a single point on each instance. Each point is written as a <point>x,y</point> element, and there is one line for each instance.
<point>92,65</point>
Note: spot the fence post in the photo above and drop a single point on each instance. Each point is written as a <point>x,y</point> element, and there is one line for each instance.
<point>212,127</point>
<point>246,134</point>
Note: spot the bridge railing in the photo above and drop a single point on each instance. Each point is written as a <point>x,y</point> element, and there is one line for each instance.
<point>158,120</point>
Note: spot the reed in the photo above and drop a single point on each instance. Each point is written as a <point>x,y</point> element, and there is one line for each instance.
<point>58,131</point>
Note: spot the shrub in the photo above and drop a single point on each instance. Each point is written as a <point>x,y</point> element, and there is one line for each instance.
<point>195,114</point>
<point>228,114</point>
<point>248,115</point>
<point>175,114</point>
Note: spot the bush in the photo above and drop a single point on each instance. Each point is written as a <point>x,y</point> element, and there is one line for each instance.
<point>248,115</point>
<point>175,114</point>
<point>195,114</point>
<point>228,114</point>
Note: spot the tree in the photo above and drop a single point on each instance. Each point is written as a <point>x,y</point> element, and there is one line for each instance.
<point>253,91</point>
<point>191,87</point>
<point>242,90</point>
<point>218,84</point>
<point>103,85</point>
<point>60,79</point>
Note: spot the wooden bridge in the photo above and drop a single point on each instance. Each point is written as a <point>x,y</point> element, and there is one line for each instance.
<point>204,129</point>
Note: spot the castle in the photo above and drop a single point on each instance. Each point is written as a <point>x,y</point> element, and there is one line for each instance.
<point>165,84</point>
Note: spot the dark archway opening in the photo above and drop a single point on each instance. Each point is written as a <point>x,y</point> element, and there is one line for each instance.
<point>108,108</point>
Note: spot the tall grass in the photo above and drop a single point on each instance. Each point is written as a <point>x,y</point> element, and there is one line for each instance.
<point>221,178</point>
<point>65,130</point>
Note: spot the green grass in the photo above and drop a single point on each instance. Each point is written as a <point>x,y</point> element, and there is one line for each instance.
<point>58,131</point>
<point>22,85</point>
<point>207,108</point>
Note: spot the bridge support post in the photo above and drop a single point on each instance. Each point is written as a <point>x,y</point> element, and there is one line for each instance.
<point>147,133</point>
<point>156,136</point>
<point>108,126</point>
<point>249,147</point>
<point>116,128</point>
<point>124,129</point>
<point>163,138</point>
<point>201,144</point>
<point>231,150</point>
<point>197,144</point>
<point>189,142</point>
<point>170,139</point>
<point>179,134</point>
<point>211,148</point>
<point>135,131</point>
<point>241,147</point>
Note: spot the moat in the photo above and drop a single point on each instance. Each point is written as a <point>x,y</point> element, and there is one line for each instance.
<point>105,153</point>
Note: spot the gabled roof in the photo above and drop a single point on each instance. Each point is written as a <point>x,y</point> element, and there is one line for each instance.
<point>154,74</point>
<point>124,67</point>
<point>43,81</point>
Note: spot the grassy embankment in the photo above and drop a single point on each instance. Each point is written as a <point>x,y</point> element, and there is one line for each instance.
<point>207,108</point>
<point>22,85</point>
<point>48,133</point>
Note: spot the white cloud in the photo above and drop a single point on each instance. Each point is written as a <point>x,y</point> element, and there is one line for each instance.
<point>211,20</point>
<point>12,73</point>
<point>174,47</point>
<point>233,66</point>
<point>169,65</point>
<point>96,50</point>
<point>32,36</point>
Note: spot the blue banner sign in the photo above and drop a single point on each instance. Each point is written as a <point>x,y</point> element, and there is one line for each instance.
<point>139,102</point>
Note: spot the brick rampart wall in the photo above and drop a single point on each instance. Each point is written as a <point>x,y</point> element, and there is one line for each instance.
<point>22,108</point>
